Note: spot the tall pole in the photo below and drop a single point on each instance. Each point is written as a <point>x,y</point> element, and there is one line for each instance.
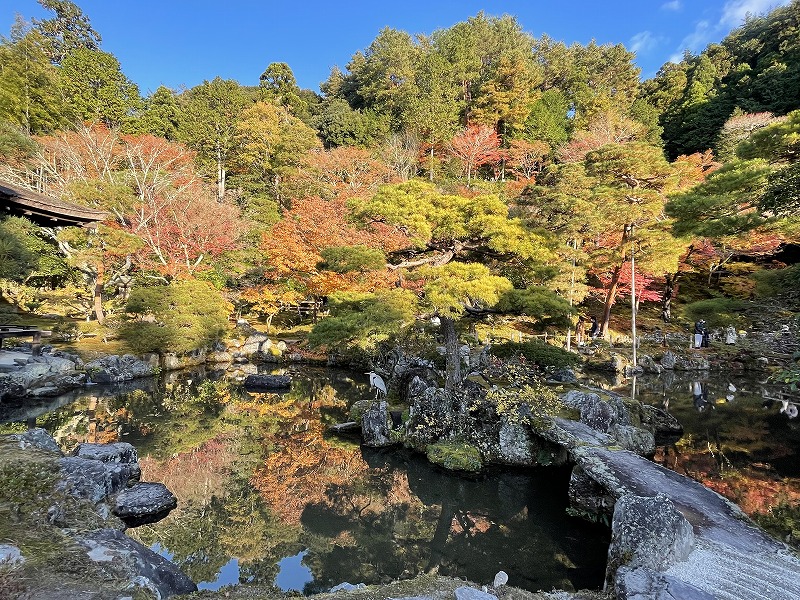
<point>571,292</point>
<point>633,297</point>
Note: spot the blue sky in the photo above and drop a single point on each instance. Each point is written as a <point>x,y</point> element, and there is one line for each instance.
<point>180,43</point>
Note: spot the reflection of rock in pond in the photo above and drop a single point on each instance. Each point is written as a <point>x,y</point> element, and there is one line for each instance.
<point>479,519</point>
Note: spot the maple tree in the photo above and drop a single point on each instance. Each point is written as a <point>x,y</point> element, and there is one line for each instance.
<point>475,146</point>
<point>345,171</point>
<point>295,246</point>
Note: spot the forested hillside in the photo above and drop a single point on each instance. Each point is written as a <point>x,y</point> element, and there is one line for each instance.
<point>472,171</point>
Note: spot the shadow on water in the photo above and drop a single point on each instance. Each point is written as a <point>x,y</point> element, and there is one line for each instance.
<point>266,496</point>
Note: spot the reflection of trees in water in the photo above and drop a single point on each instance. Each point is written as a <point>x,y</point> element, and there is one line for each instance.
<point>203,535</point>
<point>257,480</point>
<point>738,446</point>
<point>398,520</point>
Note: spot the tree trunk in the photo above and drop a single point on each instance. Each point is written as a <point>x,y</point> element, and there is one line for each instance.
<point>670,286</point>
<point>452,354</point>
<point>610,297</point>
<point>220,176</point>
<point>98,293</point>
<point>430,166</point>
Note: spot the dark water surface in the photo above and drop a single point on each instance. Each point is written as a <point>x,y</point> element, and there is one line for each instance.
<point>737,439</point>
<point>266,496</point>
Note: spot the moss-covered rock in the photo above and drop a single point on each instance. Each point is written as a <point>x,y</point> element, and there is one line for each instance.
<point>455,456</point>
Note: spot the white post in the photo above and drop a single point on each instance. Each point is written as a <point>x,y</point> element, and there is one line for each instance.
<point>633,298</point>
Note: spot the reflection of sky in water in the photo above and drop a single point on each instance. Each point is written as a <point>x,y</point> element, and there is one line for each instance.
<point>293,574</point>
<point>228,575</point>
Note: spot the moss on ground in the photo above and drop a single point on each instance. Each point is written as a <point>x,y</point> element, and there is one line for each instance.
<point>41,520</point>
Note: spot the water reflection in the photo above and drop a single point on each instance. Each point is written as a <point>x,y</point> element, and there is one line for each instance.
<point>739,437</point>
<point>264,493</point>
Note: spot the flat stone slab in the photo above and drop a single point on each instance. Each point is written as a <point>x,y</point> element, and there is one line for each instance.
<point>732,560</point>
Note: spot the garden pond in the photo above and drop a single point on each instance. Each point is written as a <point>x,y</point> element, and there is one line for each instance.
<point>265,495</point>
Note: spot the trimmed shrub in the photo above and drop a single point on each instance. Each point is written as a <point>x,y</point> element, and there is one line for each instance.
<point>540,353</point>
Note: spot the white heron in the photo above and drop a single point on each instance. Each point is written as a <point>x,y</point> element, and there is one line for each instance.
<point>377,382</point>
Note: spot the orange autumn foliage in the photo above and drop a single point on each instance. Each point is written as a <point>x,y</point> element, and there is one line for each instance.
<point>293,246</point>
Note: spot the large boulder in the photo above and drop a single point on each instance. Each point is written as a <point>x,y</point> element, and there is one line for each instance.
<point>121,457</point>
<point>375,425</point>
<point>42,376</point>
<point>144,503</point>
<point>268,382</point>
<point>92,480</point>
<point>435,415</point>
<point>142,567</point>
<point>641,583</point>
<point>113,369</point>
<point>695,361</point>
<point>36,438</point>
<point>10,388</point>
<point>660,422</point>
<point>648,532</point>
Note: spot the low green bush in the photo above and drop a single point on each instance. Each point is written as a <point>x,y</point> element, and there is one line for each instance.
<point>540,353</point>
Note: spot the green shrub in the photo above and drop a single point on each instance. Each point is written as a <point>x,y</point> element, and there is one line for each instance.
<point>345,259</point>
<point>776,281</point>
<point>180,317</point>
<point>540,353</point>
<point>782,521</point>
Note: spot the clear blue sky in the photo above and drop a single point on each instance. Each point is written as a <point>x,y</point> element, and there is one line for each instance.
<point>180,43</point>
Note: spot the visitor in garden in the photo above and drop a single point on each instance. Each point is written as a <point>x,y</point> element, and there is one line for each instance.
<point>580,330</point>
<point>700,334</point>
<point>594,329</point>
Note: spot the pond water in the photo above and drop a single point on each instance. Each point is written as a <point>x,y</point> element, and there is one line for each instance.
<point>737,439</point>
<point>265,496</point>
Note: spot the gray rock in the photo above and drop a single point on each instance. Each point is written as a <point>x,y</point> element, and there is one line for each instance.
<point>500,579</point>
<point>10,388</point>
<point>56,364</point>
<point>648,532</point>
<point>588,497</point>
<point>113,369</point>
<point>649,365</point>
<point>219,357</point>
<point>375,425</point>
<point>347,587</point>
<point>599,415</point>
<point>693,362</point>
<point>565,375</point>
<point>253,343</point>
<point>577,399</point>
<point>515,444</point>
<point>10,555</point>
<point>660,422</point>
<point>613,363</point>
<point>144,503</point>
<point>641,583</point>
<point>267,382</point>
<point>87,479</point>
<point>635,439</point>
<point>121,459</point>
<point>468,593</point>
<point>119,452</point>
<point>142,566</point>
<point>36,438</point>
<point>417,386</point>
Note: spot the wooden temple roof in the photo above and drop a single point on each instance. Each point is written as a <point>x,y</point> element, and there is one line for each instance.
<point>45,210</point>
